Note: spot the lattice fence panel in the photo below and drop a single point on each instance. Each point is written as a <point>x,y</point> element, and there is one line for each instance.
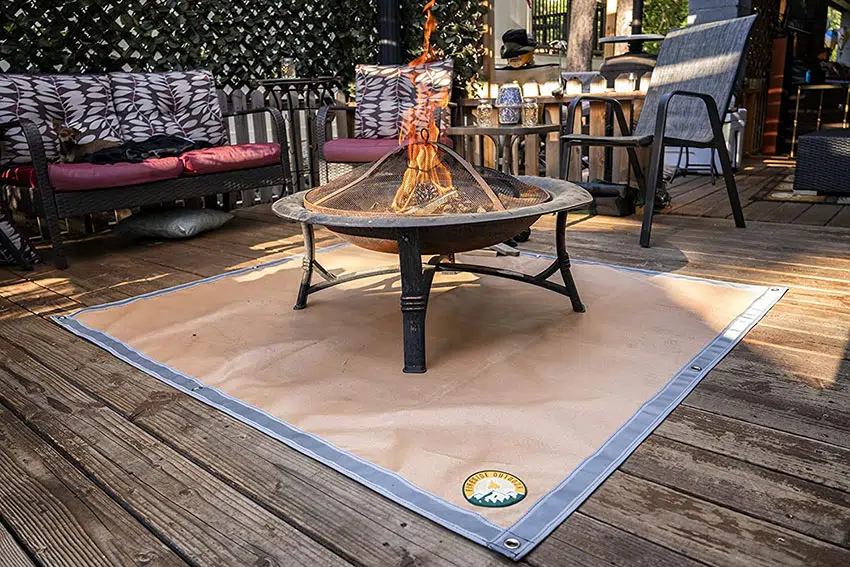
<point>240,41</point>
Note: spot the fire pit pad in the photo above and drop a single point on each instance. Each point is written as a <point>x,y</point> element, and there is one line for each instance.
<point>411,236</point>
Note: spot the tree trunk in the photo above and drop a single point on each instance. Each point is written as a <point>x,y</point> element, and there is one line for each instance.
<point>580,42</point>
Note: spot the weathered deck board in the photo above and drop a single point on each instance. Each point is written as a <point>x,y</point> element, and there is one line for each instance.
<point>696,528</point>
<point>61,517</point>
<point>202,518</point>
<point>695,196</point>
<point>782,499</point>
<point>728,479</point>
<point>787,453</point>
<point>12,553</point>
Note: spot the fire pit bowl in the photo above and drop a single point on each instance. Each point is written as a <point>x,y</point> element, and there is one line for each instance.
<point>360,206</point>
<point>487,207</point>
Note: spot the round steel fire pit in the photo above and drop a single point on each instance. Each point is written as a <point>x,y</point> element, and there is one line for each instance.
<point>358,206</point>
<point>362,208</point>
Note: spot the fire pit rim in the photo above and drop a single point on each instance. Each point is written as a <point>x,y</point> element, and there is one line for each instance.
<point>566,196</point>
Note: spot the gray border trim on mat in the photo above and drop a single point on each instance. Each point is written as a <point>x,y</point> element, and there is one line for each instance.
<point>546,514</point>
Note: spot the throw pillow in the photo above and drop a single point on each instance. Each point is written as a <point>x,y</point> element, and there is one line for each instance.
<point>179,103</point>
<point>385,93</point>
<point>83,102</point>
<point>14,245</point>
<point>172,223</point>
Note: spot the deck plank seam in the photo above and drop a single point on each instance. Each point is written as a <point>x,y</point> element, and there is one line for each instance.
<point>90,477</point>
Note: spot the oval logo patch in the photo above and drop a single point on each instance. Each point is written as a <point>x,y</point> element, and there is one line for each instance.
<point>493,489</point>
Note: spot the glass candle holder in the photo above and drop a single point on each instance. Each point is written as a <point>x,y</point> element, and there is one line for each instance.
<point>644,82</point>
<point>287,68</point>
<point>484,113</point>
<point>530,111</point>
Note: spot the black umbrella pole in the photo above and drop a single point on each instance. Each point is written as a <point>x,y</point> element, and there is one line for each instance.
<point>389,29</point>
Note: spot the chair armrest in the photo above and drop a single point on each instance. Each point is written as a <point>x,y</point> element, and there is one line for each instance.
<point>324,116</point>
<point>280,132</point>
<point>277,119</point>
<point>710,107</point>
<point>36,148</point>
<point>568,113</point>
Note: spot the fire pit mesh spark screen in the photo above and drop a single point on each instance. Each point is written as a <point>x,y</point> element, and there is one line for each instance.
<point>422,179</point>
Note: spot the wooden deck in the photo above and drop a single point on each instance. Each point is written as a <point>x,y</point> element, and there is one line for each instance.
<point>101,464</point>
<point>695,196</point>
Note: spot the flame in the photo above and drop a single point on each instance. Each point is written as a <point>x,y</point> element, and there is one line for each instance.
<point>425,173</point>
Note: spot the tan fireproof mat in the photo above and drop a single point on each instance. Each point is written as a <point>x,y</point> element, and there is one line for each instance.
<point>536,403</point>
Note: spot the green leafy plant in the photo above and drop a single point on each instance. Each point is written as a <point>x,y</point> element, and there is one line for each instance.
<point>240,42</point>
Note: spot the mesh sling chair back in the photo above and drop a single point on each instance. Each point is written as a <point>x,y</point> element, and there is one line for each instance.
<point>694,76</point>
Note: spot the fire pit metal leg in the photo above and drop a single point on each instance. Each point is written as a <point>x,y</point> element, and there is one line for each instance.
<point>564,261</point>
<point>308,264</point>
<point>415,288</point>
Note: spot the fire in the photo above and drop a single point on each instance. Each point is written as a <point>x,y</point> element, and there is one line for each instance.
<point>425,175</point>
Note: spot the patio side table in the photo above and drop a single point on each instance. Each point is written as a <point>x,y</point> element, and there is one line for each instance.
<point>503,138</point>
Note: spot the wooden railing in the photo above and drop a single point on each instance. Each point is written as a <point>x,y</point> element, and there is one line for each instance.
<point>299,112</point>
<point>608,164</point>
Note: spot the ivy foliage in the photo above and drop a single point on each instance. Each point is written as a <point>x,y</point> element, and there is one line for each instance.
<point>240,42</point>
<point>458,36</point>
<point>661,16</point>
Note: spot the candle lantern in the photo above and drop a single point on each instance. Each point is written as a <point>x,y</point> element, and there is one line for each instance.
<point>484,114</point>
<point>509,103</point>
<point>530,111</point>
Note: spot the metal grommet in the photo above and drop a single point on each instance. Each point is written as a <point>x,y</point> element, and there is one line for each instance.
<point>512,543</point>
<point>696,367</point>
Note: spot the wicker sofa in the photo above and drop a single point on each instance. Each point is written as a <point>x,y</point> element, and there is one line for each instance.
<point>121,107</point>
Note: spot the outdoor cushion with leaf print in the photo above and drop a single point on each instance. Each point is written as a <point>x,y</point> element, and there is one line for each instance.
<point>83,102</point>
<point>180,103</point>
<point>386,92</point>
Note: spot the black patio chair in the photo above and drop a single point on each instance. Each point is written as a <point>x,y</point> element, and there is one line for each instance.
<point>694,76</point>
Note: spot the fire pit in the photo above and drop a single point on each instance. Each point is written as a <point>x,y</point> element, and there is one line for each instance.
<point>426,199</point>
<point>423,198</point>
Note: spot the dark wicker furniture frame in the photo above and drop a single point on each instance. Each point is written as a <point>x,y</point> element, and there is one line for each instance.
<point>822,162</point>
<point>53,205</point>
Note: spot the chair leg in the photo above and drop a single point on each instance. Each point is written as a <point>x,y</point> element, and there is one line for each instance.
<point>656,166</point>
<point>635,163</point>
<point>51,217</point>
<point>731,186</point>
<point>14,250</point>
<point>566,154</point>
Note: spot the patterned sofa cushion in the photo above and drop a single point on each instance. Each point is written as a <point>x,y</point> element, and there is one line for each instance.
<point>83,102</point>
<point>181,103</point>
<point>385,93</point>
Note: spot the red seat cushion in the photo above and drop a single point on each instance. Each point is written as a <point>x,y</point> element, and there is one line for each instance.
<point>21,175</point>
<point>84,176</point>
<point>358,150</point>
<point>228,158</point>
<point>362,150</point>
